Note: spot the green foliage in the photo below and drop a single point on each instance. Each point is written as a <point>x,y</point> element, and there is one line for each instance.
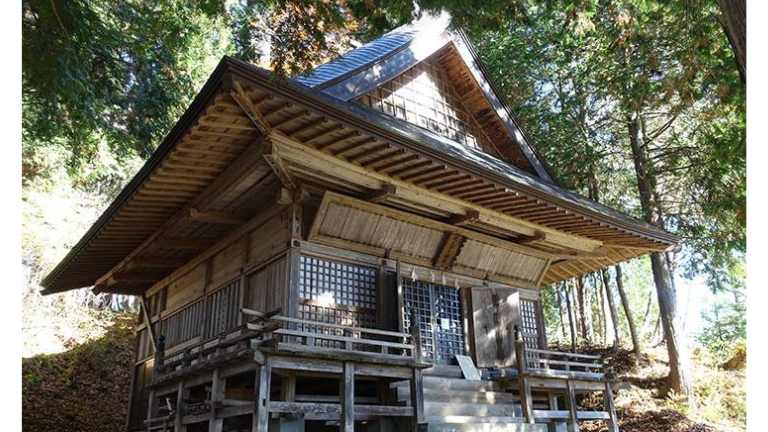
<point>110,72</point>
<point>725,325</point>
<point>577,71</point>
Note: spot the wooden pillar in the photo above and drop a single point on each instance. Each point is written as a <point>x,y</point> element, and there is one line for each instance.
<point>347,391</point>
<point>526,398</point>
<point>613,423</point>
<point>570,397</point>
<point>151,405</point>
<point>261,413</point>
<point>216,424</point>
<point>178,426</point>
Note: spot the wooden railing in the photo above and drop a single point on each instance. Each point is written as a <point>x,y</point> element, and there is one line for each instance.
<point>547,361</point>
<point>298,335</point>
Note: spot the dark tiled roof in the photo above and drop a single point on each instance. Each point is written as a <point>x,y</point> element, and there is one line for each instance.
<point>360,58</point>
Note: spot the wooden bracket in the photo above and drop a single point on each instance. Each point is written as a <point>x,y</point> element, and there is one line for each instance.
<point>244,102</point>
<point>387,190</point>
<point>537,236</point>
<point>276,163</point>
<point>471,216</point>
<point>449,249</point>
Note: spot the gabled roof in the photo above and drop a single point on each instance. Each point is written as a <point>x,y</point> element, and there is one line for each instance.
<point>212,161</point>
<point>369,66</point>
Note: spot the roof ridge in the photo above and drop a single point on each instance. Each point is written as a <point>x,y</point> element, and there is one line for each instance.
<point>371,52</point>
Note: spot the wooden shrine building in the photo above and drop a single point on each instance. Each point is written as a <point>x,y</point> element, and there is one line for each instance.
<point>361,248</point>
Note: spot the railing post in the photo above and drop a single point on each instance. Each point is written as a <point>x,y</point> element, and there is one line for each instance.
<point>613,423</point>
<point>417,381</point>
<point>160,353</point>
<point>526,398</point>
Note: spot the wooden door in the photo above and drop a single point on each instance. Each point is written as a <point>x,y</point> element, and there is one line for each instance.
<point>495,312</point>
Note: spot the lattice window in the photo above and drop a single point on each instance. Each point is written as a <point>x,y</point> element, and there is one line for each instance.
<point>439,314</point>
<point>530,323</point>
<point>423,96</point>
<point>338,293</point>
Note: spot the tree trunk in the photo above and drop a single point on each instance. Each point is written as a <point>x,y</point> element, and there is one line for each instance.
<point>611,308</point>
<point>559,301</point>
<point>646,184</point>
<point>570,318</point>
<point>734,22</point>
<point>582,309</point>
<point>603,319</point>
<point>628,313</point>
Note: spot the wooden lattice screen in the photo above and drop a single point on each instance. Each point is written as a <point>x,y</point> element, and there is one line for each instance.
<point>338,293</point>
<point>423,96</point>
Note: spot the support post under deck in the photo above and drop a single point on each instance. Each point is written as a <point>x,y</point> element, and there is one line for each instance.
<point>348,398</point>
<point>261,413</point>
<point>215,423</point>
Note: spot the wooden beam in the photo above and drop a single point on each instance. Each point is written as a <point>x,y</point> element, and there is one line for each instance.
<point>242,99</point>
<point>242,165</point>
<point>303,157</point>
<point>182,243</point>
<point>215,217</point>
<point>148,323</point>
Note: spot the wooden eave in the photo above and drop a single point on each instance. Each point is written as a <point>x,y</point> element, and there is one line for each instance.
<point>218,156</point>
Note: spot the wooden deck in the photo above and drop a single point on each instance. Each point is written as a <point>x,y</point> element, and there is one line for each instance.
<point>271,346</point>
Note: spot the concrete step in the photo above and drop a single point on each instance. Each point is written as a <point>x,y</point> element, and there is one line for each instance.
<point>446,409</point>
<point>481,424</point>
<point>435,395</point>
<point>442,383</point>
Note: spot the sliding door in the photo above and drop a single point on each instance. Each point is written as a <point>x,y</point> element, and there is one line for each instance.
<point>438,313</point>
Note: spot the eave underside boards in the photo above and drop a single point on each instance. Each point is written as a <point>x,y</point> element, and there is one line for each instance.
<point>349,223</point>
<point>314,130</point>
<point>181,208</point>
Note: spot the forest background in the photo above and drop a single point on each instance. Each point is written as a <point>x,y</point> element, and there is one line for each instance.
<point>638,104</point>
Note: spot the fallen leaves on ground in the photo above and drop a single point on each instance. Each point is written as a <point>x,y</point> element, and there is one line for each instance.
<point>83,389</point>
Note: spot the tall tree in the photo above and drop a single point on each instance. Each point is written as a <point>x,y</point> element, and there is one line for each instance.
<point>571,316</point>
<point>628,313</point>
<point>734,21</point>
<point>611,308</point>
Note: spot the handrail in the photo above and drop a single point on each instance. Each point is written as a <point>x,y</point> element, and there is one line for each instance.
<point>563,353</point>
<point>328,325</point>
